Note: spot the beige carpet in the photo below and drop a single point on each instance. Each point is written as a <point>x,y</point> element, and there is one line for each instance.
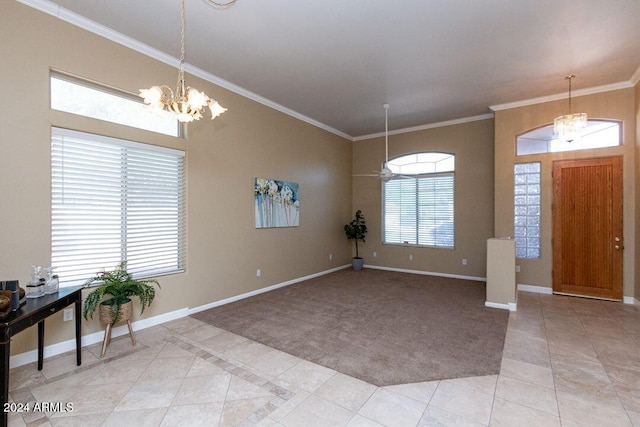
<point>382,327</point>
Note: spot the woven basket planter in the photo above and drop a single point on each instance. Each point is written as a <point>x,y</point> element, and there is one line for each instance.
<point>126,312</point>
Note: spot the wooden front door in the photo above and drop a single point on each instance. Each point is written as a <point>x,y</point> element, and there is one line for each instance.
<point>587,227</point>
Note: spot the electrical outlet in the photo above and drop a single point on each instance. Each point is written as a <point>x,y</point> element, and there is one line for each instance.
<point>330,257</point>
<point>410,257</point>
<point>517,269</point>
<point>67,314</point>
<point>258,273</point>
<point>464,261</point>
<point>375,254</point>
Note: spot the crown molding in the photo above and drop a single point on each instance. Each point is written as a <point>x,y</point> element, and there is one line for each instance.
<point>635,78</point>
<point>50,8</point>
<point>42,5</point>
<point>80,21</point>
<point>427,126</point>
<point>559,96</point>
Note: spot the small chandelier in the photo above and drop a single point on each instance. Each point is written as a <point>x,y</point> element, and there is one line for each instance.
<point>185,102</point>
<point>217,5</point>
<point>569,127</point>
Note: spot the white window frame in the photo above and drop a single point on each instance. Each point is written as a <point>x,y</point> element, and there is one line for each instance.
<point>115,200</point>
<point>72,94</point>
<point>598,134</point>
<point>429,211</point>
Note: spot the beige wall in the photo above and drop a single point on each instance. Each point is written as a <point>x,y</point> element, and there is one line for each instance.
<point>616,105</point>
<point>637,176</point>
<point>472,143</point>
<point>223,157</point>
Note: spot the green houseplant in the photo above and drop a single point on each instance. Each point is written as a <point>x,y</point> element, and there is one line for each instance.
<point>120,286</point>
<point>356,230</point>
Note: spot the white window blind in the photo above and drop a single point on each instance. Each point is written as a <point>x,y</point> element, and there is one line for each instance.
<point>115,200</point>
<point>420,211</point>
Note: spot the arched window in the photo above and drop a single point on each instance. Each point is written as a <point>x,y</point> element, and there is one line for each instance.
<point>418,204</point>
<point>597,134</point>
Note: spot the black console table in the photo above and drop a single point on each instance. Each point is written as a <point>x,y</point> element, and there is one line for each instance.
<point>35,311</point>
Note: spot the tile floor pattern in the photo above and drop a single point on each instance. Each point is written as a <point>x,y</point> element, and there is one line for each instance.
<point>567,362</point>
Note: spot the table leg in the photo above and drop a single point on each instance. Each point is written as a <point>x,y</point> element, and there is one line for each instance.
<point>5,352</point>
<point>40,344</point>
<point>78,332</point>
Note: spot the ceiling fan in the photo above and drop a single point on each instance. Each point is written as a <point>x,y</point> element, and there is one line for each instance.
<point>385,174</point>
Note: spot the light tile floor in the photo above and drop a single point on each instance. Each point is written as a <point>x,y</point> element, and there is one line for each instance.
<point>567,362</point>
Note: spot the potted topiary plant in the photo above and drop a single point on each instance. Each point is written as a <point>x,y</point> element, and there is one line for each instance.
<point>120,286</point>
<point>356,230</point>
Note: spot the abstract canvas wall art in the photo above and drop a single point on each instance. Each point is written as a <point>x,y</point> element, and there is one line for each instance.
<point>277,203</point>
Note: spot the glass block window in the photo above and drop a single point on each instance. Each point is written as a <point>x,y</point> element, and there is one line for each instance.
<point>527,209</point>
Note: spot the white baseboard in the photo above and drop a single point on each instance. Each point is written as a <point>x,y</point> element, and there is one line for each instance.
<point>69,345</point>
<point>535,289</point>
<point>549,291</point>
<point>426,273</point>
<point>263,290</point>
<point>63,347</point>
<point>511,306</point>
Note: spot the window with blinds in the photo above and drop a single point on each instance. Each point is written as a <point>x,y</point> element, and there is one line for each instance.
<point>114,200</point>
<point>418,207</point>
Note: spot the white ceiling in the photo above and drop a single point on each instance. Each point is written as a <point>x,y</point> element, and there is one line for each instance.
<point>336,62</point>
